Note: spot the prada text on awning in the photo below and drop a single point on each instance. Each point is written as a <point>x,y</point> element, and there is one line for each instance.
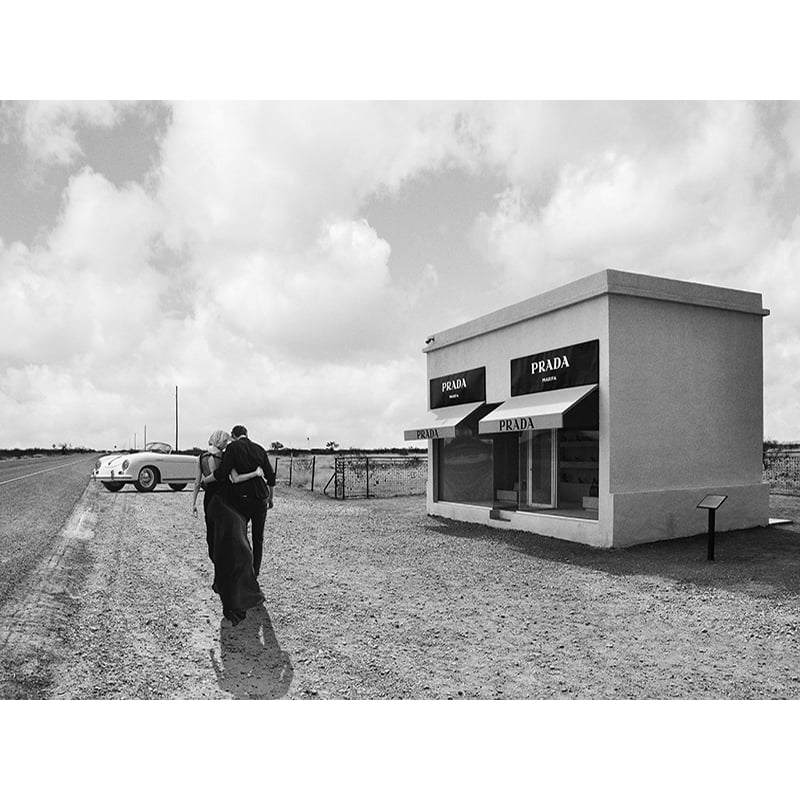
<point>534,411</point>
<point>440,423</point>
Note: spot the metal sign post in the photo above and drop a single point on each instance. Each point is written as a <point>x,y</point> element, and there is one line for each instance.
<point>712,502</point>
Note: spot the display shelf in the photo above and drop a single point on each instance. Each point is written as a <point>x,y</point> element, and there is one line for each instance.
<point>573,489</point>
<point>578,468</point>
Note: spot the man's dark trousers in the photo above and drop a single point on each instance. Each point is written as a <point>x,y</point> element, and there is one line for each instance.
<point>256,512</point>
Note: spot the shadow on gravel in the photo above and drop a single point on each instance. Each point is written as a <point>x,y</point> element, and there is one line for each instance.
<point>252,665</point>
<point>757,561</point>
<point>130,489</point>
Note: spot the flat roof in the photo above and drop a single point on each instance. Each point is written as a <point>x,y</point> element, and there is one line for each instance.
<point>607,281</point>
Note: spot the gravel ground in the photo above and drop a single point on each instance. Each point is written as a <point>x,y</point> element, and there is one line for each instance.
<point>373,599</point>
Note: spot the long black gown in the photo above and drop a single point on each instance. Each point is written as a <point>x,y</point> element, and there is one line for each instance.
<point>234,578</point>
<point>208,463</point>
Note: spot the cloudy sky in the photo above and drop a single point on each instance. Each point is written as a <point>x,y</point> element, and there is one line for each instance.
<point>283,262</point>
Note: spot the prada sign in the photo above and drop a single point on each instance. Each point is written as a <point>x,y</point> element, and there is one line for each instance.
<point>575,365</point>
<point>441,423</point>
<point>426,433</point>
<point>459,388</point>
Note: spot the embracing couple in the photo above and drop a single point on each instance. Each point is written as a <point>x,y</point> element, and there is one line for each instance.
<point>238,483</point>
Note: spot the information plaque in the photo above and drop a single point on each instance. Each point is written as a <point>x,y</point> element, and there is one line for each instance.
<point>712,501</point>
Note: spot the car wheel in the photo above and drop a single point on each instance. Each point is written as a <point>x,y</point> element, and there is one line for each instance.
<point>177,487</point>
<point>147,480</point>
<point>113,486</point>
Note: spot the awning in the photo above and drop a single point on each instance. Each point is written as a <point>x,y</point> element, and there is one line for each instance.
<point>440,423</point>
<point>534,411</point>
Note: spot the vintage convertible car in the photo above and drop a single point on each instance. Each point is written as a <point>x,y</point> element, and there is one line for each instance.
<point>145,469</point>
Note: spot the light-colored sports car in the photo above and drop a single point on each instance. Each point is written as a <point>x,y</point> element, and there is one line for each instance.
<point>145,469</point>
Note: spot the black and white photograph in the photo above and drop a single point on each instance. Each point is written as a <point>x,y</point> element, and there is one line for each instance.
<point>432,400</point>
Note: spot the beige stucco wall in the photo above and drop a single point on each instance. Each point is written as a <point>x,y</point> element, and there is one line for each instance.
<point>685,395</point>
<point>685,413</point>
<point>672,514</point>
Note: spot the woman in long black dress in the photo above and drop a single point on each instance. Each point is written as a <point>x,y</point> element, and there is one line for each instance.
<point>226,534</point>
<point>206,465</point>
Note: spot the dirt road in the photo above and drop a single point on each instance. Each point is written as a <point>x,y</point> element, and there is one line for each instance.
<point>372,599</point>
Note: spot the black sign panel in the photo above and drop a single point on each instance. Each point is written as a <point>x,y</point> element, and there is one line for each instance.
<point>460,387</point>
<point>575,365</point>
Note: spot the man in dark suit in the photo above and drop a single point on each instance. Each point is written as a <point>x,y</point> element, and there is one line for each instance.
<point>254,496</point>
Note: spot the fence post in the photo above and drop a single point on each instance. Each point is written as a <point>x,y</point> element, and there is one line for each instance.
<point>367,461</point>
<point>291,462</point>
<point>276,469</point>
<point>313,465</point>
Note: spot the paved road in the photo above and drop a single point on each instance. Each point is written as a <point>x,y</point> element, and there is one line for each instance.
<point>13,470</point>
<point>36,497</point>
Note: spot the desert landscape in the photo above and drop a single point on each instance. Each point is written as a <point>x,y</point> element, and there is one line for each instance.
<point>108,596</point>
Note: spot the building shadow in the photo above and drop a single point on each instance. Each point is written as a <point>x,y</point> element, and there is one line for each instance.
<point>759,562</point>
<point>252,665</point>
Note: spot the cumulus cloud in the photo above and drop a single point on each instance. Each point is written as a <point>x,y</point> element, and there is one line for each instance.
<point>89,290</point>
<point>46,405</point>
<point>266,201</point>
<point>698,210</point>
<point>49,129</point>
<point>266,174</point>
<point>244,272</point>
<point>320,301</point>
<point>775,273</point>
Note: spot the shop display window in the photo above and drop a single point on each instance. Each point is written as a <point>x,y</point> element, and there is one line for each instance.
<point>506,470</point>
<point>578,469</point>
<point>465,467</point>
<point>540,470</point>
<point>559,470</point>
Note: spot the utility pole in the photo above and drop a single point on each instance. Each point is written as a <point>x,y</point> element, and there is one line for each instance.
<point>176,417</point>
<point>145,435</point>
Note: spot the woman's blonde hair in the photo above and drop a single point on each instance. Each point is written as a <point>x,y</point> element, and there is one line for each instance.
<point>219,439</point>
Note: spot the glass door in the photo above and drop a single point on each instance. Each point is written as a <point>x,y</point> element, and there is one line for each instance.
<point>538,468</point>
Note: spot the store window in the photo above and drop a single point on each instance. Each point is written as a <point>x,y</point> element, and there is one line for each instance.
<point>506,470</point>
<point>465,467</point>
<point>559,470</point>
<point>578,467</point>
<point>536,470</point>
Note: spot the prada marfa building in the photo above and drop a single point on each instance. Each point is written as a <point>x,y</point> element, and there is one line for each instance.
<point>600,412</point>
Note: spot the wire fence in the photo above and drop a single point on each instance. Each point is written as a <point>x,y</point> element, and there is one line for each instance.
<point>354,476</point>
<point>303,471</point>
<point>782,472</point>
<point>379,476</point>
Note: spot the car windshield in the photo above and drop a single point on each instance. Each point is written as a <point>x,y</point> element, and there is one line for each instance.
<point>158,447</point>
